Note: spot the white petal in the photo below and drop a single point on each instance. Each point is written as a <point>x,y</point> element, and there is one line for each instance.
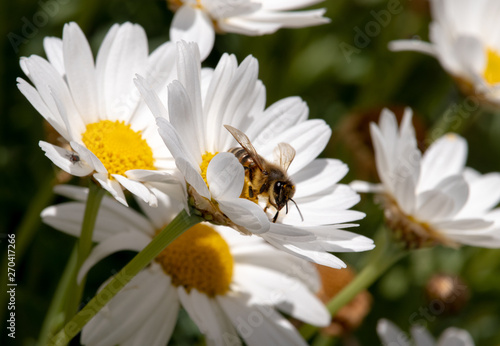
<point>455,337</point>
<point>259,324</point>
<point>383,159</point>
<point>249,27</point>
<point>151,98</point>
<point>484,194</point>
<point>366,187</point>
<point>276,288</point>
<point>55,93</point>
<point>246,214</point>
<point>53,47</point>
<point>278,117</point>
<point>185,118</point>
<point>319,175</point>
<point>101,66</point>
<point>273,259</point>
<point>161,65</point>
<point>112,186</point>
<point>171,201</point>
<point>62,159</point>
<point>390,334</point>
<point>184,161</point>
<point>207,314</point>
<point>412,45</point>
<point>33,96</point>
<point>284,5</point>
<point>214,100</point>
<point>313,252</point>
<point>189,75</point>
<point>296,19</point>
<point>308,139</point>
<point>114,324</point>
<point>157,329</point>
<point>445,157</point>
<point>463,226</point>
<point>491,240</point>
<point>192,24</point>
<point>80,71</point>
<point>337,240</point>
<point>225,176</point>
<point>125,55</point>
<point>133,241</point>
<point>421,336</point>
<point>137,188</point>
<point>87,156</point>
<point>433,206</point>
<point>67,218</point>
<point>471,54</point>
<point>112,218</point>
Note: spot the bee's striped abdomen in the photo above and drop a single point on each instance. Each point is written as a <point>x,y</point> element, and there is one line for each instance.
<point>242,156</point>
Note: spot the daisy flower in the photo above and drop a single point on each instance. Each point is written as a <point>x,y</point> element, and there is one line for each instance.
<point>432,198</point>
<point>464,38</point>
<point>199,104</point>
<point>96,108</point>
<point>199,20</point>
<point>391,335</point>
<point>231,285</point>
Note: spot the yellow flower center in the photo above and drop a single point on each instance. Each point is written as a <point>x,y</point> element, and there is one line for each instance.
<point>206,158</point>
<point>199,258</point>
<point>118,146</point>
<point>492,71</point>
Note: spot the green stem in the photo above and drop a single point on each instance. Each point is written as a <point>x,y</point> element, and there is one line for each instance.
<point>179,225</point>
<point>75,290</point>
<point>382,258</point>
<point>54,317</point>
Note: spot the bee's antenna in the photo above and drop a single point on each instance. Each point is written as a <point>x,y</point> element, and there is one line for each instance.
<point>301,217</point>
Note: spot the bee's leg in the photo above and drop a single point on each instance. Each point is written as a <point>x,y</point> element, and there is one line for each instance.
<point>250,192</point>
<point>276,216</point>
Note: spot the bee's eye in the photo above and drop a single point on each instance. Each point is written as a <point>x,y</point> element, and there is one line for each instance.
<point>277,187</point>
<point>279,193</point>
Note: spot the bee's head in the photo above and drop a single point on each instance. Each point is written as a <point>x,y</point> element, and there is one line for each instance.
<point>283,191</point>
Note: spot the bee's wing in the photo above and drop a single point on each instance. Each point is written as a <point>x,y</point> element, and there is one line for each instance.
<point>247,145</point>
<point>284,154</point>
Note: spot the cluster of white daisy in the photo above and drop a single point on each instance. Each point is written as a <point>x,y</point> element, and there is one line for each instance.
<point>180,137</point>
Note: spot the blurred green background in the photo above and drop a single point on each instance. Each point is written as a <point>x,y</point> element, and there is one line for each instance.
<point>345,77</point>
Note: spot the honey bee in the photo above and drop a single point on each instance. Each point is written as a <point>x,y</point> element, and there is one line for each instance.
<point>263,178</point>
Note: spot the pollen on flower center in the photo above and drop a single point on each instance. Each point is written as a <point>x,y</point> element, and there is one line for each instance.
<point>199,258</point>
<point>205,160</point>
<point>118,147</point>
<point>492,71</point>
